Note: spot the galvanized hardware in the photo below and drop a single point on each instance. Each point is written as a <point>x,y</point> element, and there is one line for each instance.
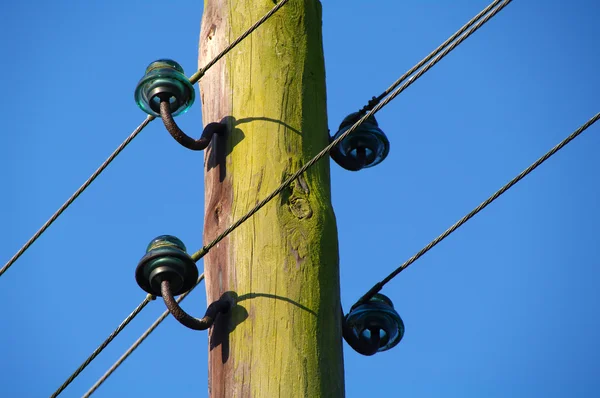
<point>167,270</point>
<point>165,91</point>
<point>374,326</point>
<point>365,147</point>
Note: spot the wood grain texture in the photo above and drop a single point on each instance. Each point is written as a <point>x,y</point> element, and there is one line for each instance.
<point>283,339</point>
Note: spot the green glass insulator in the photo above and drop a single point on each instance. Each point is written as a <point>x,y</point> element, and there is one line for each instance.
<point>164,79</point>
<point>166,259</point>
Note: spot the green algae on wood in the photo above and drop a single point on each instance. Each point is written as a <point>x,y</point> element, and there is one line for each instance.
<point>284,337</point>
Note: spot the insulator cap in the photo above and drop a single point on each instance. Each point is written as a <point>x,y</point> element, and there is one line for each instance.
<point>375,322</point>
<point>166,258</point>
<point>365,147</point>
<point>164,79</point>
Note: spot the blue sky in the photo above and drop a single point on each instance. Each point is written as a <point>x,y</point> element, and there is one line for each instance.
<point>506,306</point>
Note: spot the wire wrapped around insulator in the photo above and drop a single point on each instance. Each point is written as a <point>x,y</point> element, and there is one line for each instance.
<point>220,306</point>
<point>181,137</point>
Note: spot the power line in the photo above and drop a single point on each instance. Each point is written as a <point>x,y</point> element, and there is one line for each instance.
<point>377,287</point>
<point>328,148</point>
<point>202,252</point>
<point>476,210</point>
<point>196,76</point>
<point>137,343</point>
<point>118,330</point>
<point>432,54</point>
<point>79,191</point>
<point>104,344</point>
<point>193,79</point>
<point>434,61</point>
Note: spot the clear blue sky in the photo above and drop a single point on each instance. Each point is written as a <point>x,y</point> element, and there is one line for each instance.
<point>507,306</point>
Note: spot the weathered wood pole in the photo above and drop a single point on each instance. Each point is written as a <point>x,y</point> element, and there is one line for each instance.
<point>284,337</point>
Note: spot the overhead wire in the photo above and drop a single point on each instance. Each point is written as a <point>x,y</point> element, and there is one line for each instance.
<point>193,79</point>
<point>205,249</point>
<point>75,195</point>
<point>378,286</point>
<point>137,343</point>
<point>196,76</point>
<point>335,142</point>
<point>432,54</point>
<point>104,344</point>
<point>119,329</point>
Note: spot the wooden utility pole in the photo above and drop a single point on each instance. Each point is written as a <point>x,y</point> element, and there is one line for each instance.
<point>283,339</point>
